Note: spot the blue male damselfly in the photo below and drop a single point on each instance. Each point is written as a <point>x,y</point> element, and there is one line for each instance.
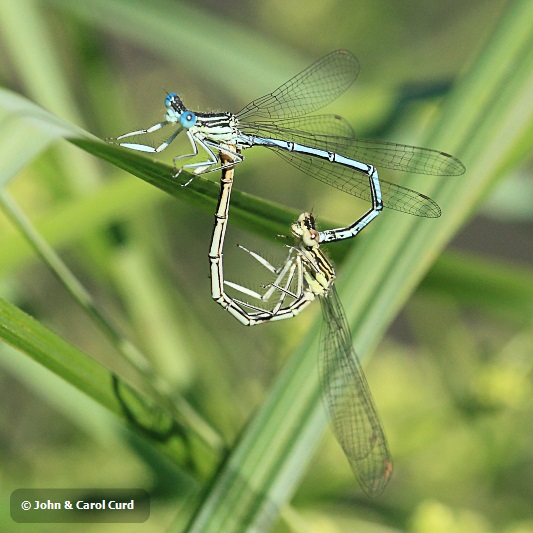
<point>322,146</point>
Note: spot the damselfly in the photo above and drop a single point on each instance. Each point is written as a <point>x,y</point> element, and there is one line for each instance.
<point>305,275</point>
<point>322,146</point>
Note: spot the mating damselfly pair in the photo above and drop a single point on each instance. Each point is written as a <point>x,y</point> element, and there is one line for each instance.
<point>324,147</point>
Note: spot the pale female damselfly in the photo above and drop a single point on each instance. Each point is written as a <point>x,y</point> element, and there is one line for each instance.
<point>304,276</point>
<point>322,146</point>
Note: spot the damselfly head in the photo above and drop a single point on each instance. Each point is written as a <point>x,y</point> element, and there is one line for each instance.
<point>304,229</point>
<point>173,101</point>
<point>175,109</point>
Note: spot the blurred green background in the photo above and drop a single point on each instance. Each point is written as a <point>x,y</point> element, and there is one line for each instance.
<point>452,377</point>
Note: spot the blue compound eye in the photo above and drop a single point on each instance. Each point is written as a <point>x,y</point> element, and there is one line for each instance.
<point>188,119</point>
<point>169,98</point>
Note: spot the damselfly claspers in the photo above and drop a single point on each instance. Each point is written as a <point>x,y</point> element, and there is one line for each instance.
<point>322,146</point>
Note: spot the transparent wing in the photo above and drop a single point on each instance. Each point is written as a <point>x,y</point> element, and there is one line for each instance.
<point>381,154</point>
<point>311,89</point>
<point>355,183</point>
<point>347,397</point>
<point>322,126</point>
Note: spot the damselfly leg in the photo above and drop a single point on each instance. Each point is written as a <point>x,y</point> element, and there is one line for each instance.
<point>206,166</point>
